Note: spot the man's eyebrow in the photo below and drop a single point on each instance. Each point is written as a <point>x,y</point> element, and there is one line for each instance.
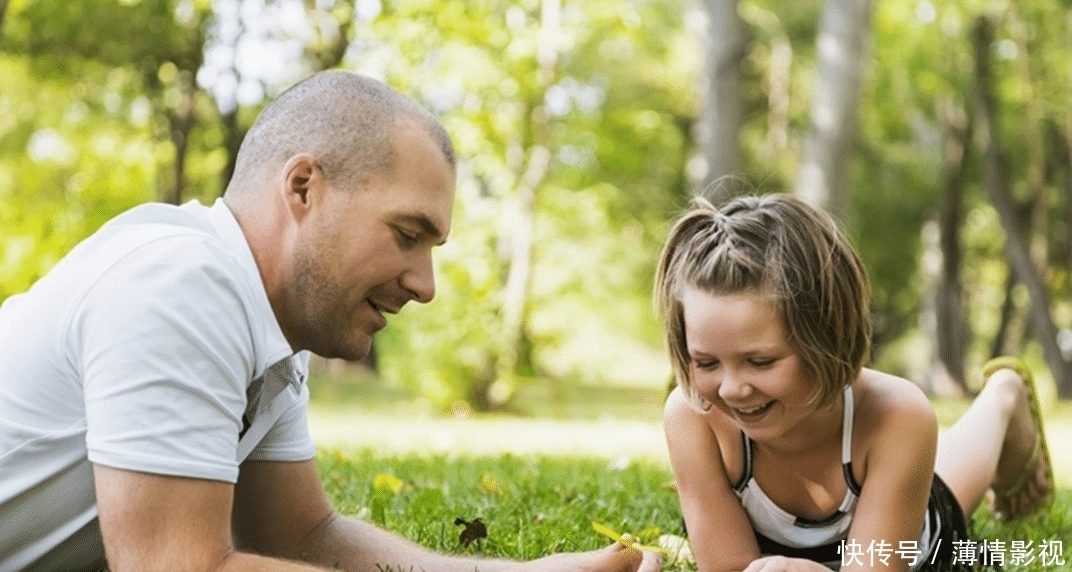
<point>427,226</point>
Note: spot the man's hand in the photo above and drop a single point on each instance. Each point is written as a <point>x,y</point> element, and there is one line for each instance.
<point>614,558</point>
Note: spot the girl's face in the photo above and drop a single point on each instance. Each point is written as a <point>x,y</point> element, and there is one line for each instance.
<point>742,363</point>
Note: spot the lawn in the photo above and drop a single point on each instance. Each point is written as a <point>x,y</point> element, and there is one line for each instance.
<point>537,478</point>
<point>531,505</point>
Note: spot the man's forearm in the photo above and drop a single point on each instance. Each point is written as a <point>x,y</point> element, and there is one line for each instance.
<point>243,562</point>
<point>357,546</point>
<point>349,544</point>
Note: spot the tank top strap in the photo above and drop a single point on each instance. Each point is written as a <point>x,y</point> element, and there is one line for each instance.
<point>746,471</point>
<point>846,427</point>
<point>846,441</point>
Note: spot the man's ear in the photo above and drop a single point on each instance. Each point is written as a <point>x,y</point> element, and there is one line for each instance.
<point>303,183</point>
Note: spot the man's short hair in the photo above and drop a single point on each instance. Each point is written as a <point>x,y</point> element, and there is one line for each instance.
<point>344,119</point>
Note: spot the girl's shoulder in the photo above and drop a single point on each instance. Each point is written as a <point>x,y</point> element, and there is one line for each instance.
<point>890,412</point>
<point>883,396</point>
<point>716,429</point>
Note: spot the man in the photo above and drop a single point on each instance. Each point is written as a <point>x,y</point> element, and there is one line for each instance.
<point>152,385</point>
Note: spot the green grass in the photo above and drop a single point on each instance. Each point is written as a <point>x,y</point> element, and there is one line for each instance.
<point>1054,526</point>
<point>534,506</point>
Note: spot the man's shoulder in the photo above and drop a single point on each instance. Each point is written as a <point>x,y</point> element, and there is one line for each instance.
<point>158,223</point>
<point>158,235</point>
<point>151,252</point>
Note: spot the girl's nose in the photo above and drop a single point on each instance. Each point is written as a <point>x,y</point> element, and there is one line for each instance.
<point>732,387</point>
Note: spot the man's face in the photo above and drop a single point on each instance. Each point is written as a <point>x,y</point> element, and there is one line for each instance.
<point>365,252</point>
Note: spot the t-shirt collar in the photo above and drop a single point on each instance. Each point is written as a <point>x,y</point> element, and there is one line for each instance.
<point>227,228</point>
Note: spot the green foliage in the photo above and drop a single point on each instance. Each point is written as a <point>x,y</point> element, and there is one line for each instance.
<point>92,96</point>
<point>921,64</point>
<point>616,128</point>
<point>88,118</point>
<point>72,155</point>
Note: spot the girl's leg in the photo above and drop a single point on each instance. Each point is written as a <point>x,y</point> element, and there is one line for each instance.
<point>991,445</point>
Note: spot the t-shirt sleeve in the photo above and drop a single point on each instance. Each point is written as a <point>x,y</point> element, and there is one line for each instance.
<point>165,348</point>
<point>288,439</point>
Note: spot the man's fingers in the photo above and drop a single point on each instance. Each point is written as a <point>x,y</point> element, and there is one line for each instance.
<point>628,559</point>
<point>653,562</point>
<point>636,559</point>
<point>766,564</point>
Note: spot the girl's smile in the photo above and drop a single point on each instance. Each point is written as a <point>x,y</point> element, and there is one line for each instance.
<point>755,411</point>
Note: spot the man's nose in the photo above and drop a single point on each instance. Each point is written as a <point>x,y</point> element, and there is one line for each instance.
<point>419,280</point>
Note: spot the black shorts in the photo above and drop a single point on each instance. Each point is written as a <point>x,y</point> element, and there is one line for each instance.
<point>944,511</point>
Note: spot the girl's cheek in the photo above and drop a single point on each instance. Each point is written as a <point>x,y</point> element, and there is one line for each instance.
<point>705,384</point>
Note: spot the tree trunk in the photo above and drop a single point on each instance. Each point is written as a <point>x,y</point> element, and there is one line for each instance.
<point>781,62</point>
<point>515,292</point>
<point>950,335</point>
<point>233,134</point>
<point>538,164</point>
<point>996,177</point>
<point>724,41</point>
<point>1068,189</point>
<point>1000,345</point>
<point>182,123</point>
<point>330,53</point>
<point>842,52</point>
<point>1033,138</point>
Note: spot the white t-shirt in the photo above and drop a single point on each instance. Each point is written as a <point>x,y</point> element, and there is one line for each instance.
<point>150,347</point>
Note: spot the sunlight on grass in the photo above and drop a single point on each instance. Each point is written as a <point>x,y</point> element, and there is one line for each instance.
<point>607,438</point>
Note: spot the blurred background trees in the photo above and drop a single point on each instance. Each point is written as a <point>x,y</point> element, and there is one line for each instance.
<point>940,134</point>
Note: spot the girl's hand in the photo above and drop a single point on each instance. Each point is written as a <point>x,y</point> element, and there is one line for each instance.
<point>783,564</point>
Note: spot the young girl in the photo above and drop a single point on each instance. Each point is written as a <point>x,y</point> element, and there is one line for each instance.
<point>787,453</point>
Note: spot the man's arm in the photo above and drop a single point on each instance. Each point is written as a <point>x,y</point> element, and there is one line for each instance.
<point>280,509</point>
<point>155,522</point>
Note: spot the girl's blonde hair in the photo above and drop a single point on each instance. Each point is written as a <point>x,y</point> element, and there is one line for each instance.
<point>778,246</point>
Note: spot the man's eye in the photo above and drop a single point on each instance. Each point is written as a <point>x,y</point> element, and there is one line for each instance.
<point>406,239</point>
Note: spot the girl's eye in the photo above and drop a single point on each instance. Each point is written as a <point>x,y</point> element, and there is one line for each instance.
<point>705,364</point>
<point>761,362</point>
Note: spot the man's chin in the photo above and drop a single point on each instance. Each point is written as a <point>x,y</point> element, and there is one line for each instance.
<point>355,349</point>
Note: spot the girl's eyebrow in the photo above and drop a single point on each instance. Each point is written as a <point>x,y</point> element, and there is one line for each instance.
<point>765,351</point>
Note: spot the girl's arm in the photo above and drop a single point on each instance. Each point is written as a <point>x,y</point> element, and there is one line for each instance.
<point>901,435</point>
<point>719,531</point>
